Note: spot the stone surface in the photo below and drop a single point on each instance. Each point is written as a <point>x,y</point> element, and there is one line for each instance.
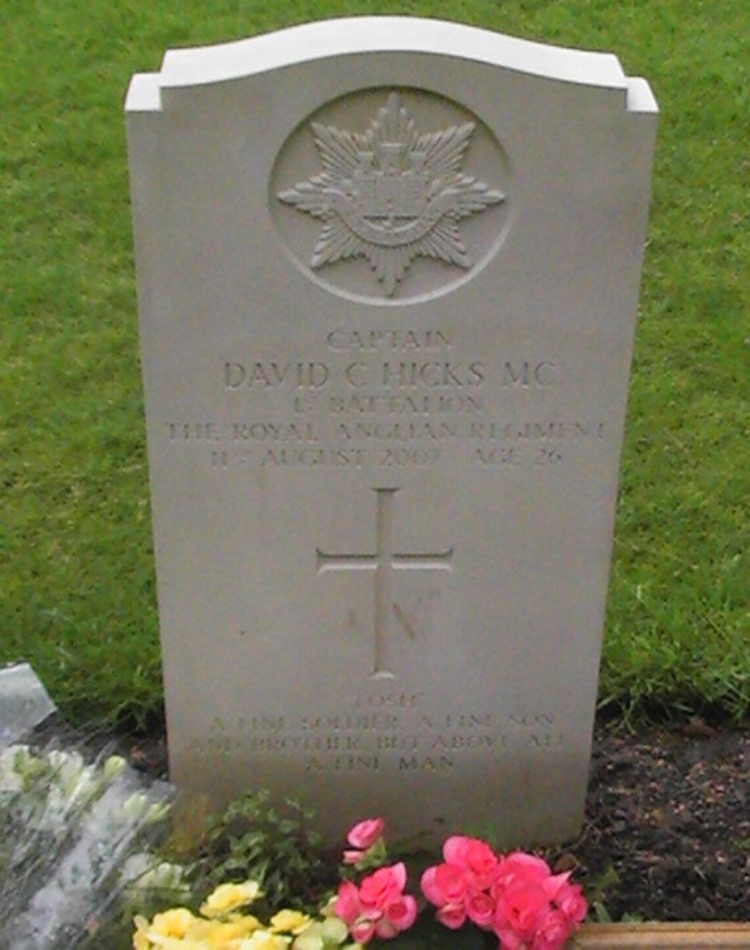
<point>388,276</point>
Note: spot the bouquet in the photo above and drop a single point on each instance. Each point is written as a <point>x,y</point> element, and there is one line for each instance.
<point>72,839</point>
<point>514,898</point>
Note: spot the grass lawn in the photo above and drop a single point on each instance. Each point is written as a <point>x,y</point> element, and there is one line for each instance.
<point>77,594</point>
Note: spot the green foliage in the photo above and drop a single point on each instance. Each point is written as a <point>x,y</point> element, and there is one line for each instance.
<point>76,567</point>
<point>253,841</point>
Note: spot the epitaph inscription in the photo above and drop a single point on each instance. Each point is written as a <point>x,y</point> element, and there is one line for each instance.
<point>391,194</point>
<point>378,732</point>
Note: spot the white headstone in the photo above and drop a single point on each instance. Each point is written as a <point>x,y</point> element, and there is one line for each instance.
<point>388,277</point>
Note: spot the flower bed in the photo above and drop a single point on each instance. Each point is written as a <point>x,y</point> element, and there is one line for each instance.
<point>513,901</point>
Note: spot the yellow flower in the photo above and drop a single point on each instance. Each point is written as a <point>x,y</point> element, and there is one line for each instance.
<point>228,897</point>
<point>329,932</point>
<point>222,935</point>
<point>264,940</point>
<point>140,940</point>
<point>170,930</point>
<point>245,924</point>
<point>171,923</point>
<point>289,921</point>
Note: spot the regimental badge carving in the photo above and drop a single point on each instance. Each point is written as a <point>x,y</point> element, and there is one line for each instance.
<point>391,194</point>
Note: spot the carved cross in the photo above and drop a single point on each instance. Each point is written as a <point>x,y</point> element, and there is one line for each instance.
<point>383,561</point>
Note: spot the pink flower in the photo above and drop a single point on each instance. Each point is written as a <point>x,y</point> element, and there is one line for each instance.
<point>476,857</point>
<point>572,903</point>
<point>378,907</point>
<point>458,887</point>
<point>347,905</point>
<point>397,916</point>
<point>516,896</point>
<point>383,886</point>
<point>509,940</point>
<point>480,908</point>
<point>368,849</point>
<point>552,932</point>
<point>520,908</point>
<point>364,834</point>
<point>519,865</point>
<point>554,884</point>
<point>353,857</point>
<point>363,930</point>
<point>444,884</point>
<point>452,916</point>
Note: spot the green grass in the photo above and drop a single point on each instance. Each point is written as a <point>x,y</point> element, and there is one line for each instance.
<point>77,594</point>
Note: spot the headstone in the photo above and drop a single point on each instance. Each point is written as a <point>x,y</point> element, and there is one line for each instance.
<point>388,277</point>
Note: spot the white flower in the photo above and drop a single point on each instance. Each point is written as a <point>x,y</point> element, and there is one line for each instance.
<point>141,873</point>
<point>135,806</point>
<point>11,780</point>
<point>157,812</point>
<point>77,782</point>
<point>16,765</point>
<point>136,867</point>
<point>113,767</point>
<point>69,762</point>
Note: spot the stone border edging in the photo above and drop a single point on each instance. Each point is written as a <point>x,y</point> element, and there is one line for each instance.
<point>690,936</point>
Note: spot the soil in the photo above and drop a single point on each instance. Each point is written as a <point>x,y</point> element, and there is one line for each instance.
<point>667,829</point>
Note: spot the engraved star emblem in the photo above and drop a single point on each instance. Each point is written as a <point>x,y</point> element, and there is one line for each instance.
<point>391,194</point>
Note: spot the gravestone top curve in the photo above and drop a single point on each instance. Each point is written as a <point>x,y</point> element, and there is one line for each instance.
<point>355,35</point>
